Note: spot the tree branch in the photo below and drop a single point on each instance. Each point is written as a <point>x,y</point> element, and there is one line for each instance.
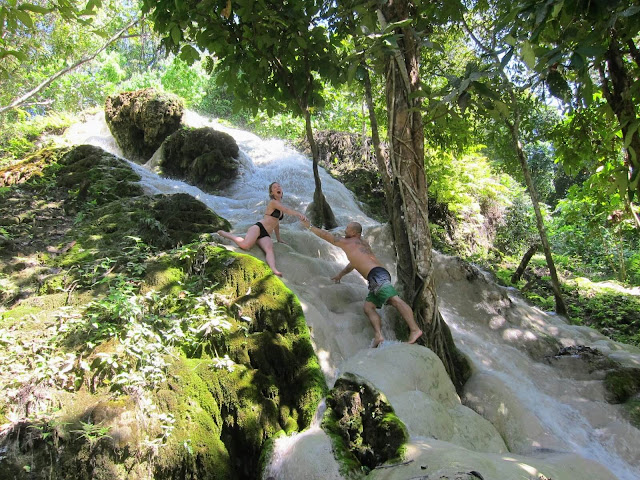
<point>21,100</point>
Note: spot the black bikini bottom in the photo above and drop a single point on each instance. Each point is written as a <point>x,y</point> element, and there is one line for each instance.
<point>263,231</point>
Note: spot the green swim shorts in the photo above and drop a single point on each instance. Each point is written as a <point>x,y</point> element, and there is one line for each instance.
<point>383,294</point>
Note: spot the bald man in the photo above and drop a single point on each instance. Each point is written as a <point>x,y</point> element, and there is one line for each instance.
<point>381,291</point>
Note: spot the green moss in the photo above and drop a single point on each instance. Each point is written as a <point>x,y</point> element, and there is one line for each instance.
<point>195,443</point>
<point>164,276</point>
<point>633,409</point>
<point>622,384</point>
<point>21,311</point>
<point>223,419</point>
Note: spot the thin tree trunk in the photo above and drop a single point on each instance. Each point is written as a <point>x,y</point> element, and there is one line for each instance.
<point>321,213</point>
<point>22,99</point>
<point>383,168</point>
<point>517,275</point>
<point>555,283</point>
<point>514,128</point>
<point>409,194</point>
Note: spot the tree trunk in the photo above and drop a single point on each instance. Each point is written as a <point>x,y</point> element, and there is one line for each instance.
<point>410,225</point>
<point>320,211</point>
<point>561,308</point>
<point>524,262</point>
<point>619,97</point>
<point>383,167</point>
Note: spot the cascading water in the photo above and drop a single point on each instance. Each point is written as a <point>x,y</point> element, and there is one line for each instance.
<point>552,416</point>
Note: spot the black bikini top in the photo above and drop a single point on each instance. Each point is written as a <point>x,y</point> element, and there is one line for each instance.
<point>277,214</point>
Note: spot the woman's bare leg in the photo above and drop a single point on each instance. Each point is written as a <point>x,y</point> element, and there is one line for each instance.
<point>266,244</point>
<point>249,239</point>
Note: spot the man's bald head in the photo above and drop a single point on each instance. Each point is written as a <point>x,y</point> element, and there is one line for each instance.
<point>354,229</point>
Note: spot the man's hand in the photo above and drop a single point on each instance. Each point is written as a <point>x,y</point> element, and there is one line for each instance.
<point>337,278</point>
<point>305,221</point>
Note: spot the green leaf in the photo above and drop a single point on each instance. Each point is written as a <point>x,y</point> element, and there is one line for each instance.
<point>502,108</point>
<point>577,61</point>
<point>25,18</point>
<point>34,8</point>
<point>557,8</point>
<point>485,91</point>
<point>14,53</point>
<point>189,54</point>
<point>591,50</point>
<point>176,35</point>
<point>528,55</point>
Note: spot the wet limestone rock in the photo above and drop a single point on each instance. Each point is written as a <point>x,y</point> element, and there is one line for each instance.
<point>360,415</point>
<point>141,120</point>
<point>203,157</point>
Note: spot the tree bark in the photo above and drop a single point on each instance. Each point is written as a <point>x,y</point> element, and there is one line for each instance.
<point>524,262</point>
<point>320,210</point>
<point>620,98</point>
<point>561,308</point>
<point>408,185</point>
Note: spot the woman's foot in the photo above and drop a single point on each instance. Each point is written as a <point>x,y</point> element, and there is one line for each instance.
<point>376,341</point>
<point>278,273</point>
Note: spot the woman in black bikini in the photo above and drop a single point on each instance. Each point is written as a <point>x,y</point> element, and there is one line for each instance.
<point>260,233</point>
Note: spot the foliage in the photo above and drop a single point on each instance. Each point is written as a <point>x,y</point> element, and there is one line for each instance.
<point>466,182</point>
<point>19,139</point>
<point>590,226</point>
<point>583,50</point>
<point>271,54</point>
<point>518,232</point>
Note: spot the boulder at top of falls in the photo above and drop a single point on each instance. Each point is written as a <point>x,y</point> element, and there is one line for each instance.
<point>141,120</point>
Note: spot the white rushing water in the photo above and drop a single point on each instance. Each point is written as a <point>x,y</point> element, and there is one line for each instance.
<point>548,416</point>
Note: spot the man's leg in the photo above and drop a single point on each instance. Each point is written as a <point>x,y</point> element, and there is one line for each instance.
<point>376,323</point>
<point>407,314</point>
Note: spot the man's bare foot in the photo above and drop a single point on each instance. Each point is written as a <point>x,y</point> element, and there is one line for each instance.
<point>376,341</point>
<point>414,336</point>
<point>276,272</point>
<point>222,233</point>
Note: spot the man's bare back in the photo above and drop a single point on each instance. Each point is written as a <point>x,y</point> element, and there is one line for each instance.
<point>358,253</point>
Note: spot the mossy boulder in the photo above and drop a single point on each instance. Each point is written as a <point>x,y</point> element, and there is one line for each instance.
<point>360,418</point>
<point>93,176</point>
<point>622,384</point>
<point>131,347</point>
<point>203,421</point>
<point>202,156</point>
<point>141,120</point>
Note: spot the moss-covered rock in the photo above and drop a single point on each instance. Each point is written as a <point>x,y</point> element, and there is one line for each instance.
<point>202,156</point>
<point>141,120</point>
<point>129,352</point>
<point>622,384</point>
<point>363,422</point>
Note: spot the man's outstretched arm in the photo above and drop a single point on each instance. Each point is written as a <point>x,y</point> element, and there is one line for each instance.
<point>323,234</point>
<point>342,273</point>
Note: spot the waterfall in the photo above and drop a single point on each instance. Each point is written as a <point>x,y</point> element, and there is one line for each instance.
<point>548,415</point>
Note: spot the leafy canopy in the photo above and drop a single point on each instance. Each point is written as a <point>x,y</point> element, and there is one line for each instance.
<point>273,53</point>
